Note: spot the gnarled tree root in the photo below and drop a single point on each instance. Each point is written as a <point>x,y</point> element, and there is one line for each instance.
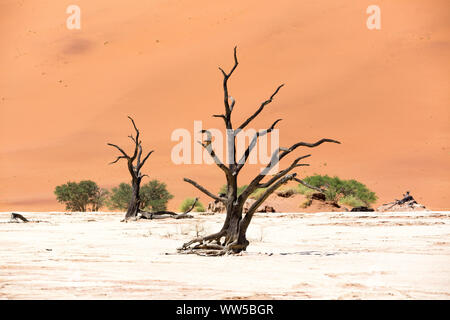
<point>211,246</point>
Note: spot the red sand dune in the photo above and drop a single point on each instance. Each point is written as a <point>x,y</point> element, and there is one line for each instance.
<point>65,93</point>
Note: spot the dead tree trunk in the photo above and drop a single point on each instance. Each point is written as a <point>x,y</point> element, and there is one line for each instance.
<point>135,202</point>
<point>135,171</point>
<point>232,236</point>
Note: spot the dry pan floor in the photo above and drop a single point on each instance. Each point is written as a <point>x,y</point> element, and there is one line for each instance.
<point>291,256</point>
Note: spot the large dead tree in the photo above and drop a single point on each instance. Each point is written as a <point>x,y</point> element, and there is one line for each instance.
<point>232,237</point>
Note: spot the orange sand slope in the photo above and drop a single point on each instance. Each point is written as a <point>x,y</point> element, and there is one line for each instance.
<point>65,93</point>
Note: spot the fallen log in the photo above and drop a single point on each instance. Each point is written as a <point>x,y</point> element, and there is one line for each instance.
<point>362,209</point>
<point>167,214</point>
<point>17,216</point>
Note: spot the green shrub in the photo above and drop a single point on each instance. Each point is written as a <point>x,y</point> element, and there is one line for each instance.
<point>120,197</point>
<point>287,190</point>
<point>351,201</point>
<point>188,202</point>
<point>78,196</point>
<point>337,190</point>
<point>361,192</point>
<point>257,193</point>
<point>306,204</point>
<point>154,196</point>
<point>305,190</point>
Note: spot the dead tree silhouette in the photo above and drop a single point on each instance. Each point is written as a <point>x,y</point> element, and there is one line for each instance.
<point>232,236</point>
<point>135,163</point>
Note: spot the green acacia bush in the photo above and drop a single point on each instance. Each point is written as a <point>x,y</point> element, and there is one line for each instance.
<point>352,201</point>
<point>257,193</point>
<point>154,196</point>
<point>188,202</point>
<point>120,197</point>
<point>78,196</point>
<point>347,192</point>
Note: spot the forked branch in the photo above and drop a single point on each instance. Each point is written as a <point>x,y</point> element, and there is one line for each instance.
<point>208,146</point>
<point>226,76</point>
<point>125,155</point>
<point>282,173</point>
<point>252,144</point>
<point>257,112</point>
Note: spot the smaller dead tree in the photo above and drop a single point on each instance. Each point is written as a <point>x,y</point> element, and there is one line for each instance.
<point>135,162</point>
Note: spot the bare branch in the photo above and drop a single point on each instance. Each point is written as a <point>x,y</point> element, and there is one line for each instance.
<point>246,122</point>
<point>120,149</point>
<point>252,144</point>
<point>132,138</point>
<point>202,189</point>
<point>282,173</point>
<point>145,159</point>
<point>309,186</point>
<point>192,207</point>
<point>135,128</point>
<point>277,156</point>
<point>118,158</point>
<point>305,144</point>
<point>136,139</point>
<point>226,76</point>
<point>211,152</point>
